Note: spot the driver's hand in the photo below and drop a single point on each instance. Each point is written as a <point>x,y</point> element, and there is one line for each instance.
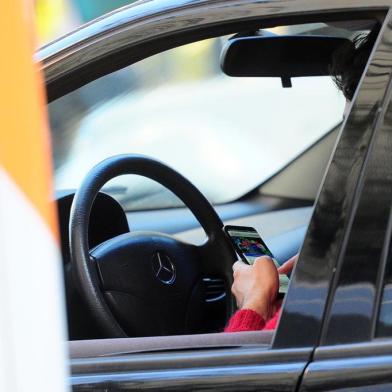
<point>288,266</point>
<point>255,286</point>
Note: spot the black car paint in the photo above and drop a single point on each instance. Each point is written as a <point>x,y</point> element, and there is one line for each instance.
<point>351,314</point>
<point>327,245</point>
<point>360,367</point>
<point>234,369</point>
<point>332,235</point>
<point>353,310</point>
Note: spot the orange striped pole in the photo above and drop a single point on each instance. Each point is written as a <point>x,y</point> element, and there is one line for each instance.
<point>32,316</point>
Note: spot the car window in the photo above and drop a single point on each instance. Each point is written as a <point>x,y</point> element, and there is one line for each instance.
<point>180,108</point>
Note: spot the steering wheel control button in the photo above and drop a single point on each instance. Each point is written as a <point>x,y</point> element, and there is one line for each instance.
<point>163,268</point>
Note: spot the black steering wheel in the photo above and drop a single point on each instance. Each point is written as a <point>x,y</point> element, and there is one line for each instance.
<point>147,283</point>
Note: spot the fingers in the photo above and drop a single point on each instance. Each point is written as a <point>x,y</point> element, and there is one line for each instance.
<point>264,263</point>
<point>234,289</point>
<point>236,296</point>
<point>238,266</point>
<point>288,266</point>
<point>255,286</point>
<point>263,259</point>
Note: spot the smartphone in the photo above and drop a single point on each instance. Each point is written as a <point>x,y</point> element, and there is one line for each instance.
<point>249,246</point>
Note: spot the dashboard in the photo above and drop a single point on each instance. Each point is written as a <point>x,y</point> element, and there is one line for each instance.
<point>281,223</point>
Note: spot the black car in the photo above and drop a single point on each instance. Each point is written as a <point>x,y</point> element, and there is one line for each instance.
<point>237,97</point>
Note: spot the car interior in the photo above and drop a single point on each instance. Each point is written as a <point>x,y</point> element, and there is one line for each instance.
<point>114,222</point>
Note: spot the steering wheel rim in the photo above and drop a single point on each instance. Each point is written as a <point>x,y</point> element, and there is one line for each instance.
<point>84,271</point>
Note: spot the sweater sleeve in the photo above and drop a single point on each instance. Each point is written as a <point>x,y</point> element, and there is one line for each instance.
<point>273,322</point>
<point>249,320</point>
<point>245,320</point>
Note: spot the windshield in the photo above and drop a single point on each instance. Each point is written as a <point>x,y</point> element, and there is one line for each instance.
<point>226,135</point>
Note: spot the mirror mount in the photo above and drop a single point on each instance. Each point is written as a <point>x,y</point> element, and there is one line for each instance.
<point>286,82</point>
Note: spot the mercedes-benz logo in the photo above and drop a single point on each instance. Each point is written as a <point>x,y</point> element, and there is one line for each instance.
<point>163,267</point>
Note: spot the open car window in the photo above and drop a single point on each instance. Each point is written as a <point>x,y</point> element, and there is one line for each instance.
<point>179,107</point>
<point>227,135</point>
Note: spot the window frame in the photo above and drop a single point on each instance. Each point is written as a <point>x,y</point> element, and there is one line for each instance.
<point>367,125</point>
<point>360,360</point>
<point>133,33</point>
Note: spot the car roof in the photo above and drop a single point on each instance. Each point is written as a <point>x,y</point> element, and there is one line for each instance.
<point>113,40</point>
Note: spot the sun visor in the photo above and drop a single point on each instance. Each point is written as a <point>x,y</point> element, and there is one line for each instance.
<point>280,56</point>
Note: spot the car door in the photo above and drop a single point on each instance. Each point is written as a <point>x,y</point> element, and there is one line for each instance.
<point>355,346</point>
<point>244,366</point>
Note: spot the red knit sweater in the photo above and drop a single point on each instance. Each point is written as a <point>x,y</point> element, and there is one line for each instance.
<point>249,320</point>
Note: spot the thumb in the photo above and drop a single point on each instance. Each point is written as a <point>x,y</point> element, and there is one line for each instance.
<point>288,266</point>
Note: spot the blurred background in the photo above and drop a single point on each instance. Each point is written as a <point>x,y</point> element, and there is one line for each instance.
<point>55,18</point>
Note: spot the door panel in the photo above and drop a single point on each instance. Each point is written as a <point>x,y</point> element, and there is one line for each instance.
<point>350,367</point>
<point>351,374</point>
<point>230,369</point>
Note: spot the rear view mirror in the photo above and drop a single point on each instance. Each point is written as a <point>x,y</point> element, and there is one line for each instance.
<point>280,56</point>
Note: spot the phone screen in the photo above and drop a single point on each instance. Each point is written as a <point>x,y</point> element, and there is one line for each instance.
<point>249,246</point>
<point>248,243</point>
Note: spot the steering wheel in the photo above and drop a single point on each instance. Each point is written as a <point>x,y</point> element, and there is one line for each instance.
<point>147,283</point>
